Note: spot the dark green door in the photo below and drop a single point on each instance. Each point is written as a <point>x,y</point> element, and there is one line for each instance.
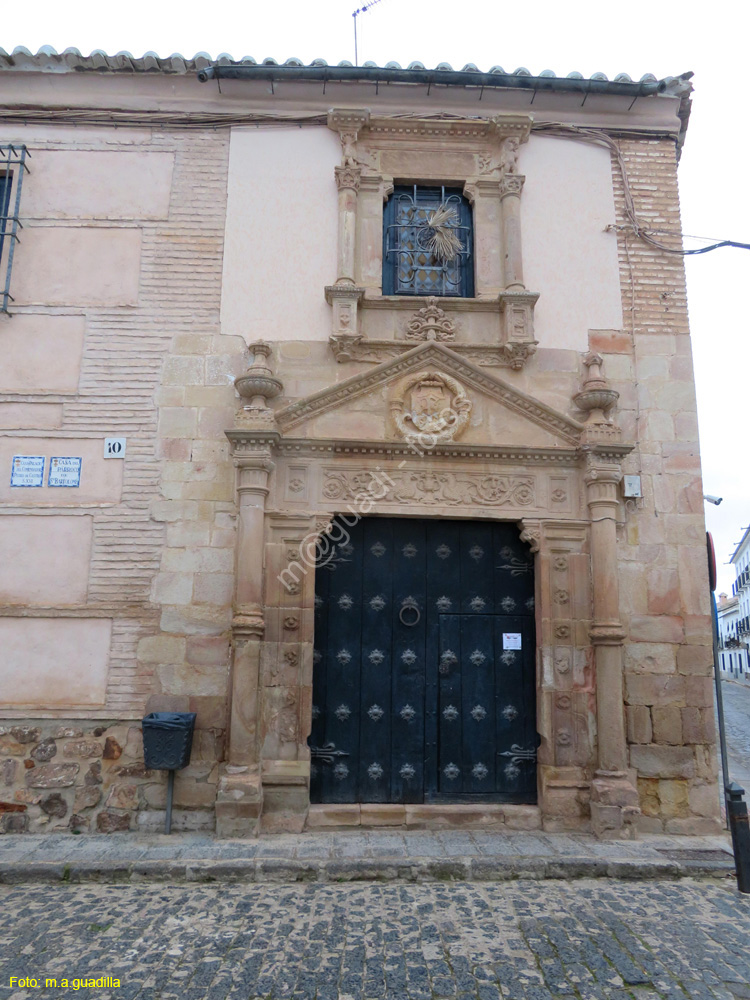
<point>424,665</point>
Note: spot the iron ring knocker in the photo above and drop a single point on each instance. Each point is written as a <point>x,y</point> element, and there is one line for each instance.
<point>409,605</point>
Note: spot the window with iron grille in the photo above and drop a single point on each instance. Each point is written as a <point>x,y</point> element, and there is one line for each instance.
<point>12,169</point>
<point>428,242</point>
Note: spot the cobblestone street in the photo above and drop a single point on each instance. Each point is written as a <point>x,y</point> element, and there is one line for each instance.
<point>524,940</point>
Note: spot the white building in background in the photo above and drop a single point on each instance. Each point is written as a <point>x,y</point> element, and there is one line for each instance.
<point>738,640</point>
<point>733,653</point>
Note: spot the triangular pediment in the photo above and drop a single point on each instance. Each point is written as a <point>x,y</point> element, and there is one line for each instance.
<point>359,407</point>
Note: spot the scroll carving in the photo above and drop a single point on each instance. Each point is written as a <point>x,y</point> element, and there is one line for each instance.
<point>446,489</point>
<point>430,323</point>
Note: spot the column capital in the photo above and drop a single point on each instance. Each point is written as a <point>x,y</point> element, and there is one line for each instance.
<point>511,184</point>
<point>347,178</point>
<point>487,187</point>
<point>609,633</point>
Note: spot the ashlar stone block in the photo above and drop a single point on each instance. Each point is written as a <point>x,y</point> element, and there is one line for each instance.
<point>667,724</point>
<point>639,724</point>
<point>653,761</point>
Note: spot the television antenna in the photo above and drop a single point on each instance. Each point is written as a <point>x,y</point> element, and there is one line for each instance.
<point>360,10</point>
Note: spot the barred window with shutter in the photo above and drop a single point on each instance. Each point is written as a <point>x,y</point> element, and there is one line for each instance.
<point>12,169</point>
<point>428,242</point>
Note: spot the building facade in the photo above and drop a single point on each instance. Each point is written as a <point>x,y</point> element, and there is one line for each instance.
<point>734,615</point>
<point>350,409</point>
<point>733,658</point>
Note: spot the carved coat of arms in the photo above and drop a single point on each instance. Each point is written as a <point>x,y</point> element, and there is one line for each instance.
<point>430,404</point>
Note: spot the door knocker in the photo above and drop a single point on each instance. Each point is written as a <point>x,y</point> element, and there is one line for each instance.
<point>409,605</point>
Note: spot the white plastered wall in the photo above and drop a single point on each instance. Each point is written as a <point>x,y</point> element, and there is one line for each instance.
<point>567,256</point>
<point>280,245</point>
<point>281,232</point>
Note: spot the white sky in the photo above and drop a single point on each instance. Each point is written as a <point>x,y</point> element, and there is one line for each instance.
<point>637,37</point>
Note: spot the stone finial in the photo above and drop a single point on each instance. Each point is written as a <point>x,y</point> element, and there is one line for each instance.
<point>258,384</point>
<point>595,397</point>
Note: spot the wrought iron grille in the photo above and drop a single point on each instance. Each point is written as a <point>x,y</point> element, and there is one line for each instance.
<point>409,266</point>
<point>12,168</point>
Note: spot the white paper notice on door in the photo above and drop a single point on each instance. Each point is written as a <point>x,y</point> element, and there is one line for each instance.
<point>511,640</point>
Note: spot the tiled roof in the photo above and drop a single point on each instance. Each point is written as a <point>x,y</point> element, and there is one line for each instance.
<point>124,62</point>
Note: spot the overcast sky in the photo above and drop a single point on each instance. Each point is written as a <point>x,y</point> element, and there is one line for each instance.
<point>636,37</point>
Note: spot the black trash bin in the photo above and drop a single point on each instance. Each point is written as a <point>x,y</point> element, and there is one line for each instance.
<point>168,739</point>
<point>167,742</point>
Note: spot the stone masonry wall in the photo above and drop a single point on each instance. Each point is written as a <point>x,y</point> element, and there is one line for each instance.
<point>162,558</point>
<point>662,549</point>
<point>64,776</point>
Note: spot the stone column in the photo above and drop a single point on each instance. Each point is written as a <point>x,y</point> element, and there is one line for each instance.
<point>517,303</point>
<point>607,633</point>
<point>484,194</point>
<point>511,186</point>
<point>247,623</point>
<point>614,800</point>
<point>347,181</point>
<point>239,799</point>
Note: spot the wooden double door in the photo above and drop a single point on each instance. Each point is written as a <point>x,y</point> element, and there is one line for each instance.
<point>424,664</point>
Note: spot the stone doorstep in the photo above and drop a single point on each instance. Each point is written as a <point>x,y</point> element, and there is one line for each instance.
<point>456,816</point>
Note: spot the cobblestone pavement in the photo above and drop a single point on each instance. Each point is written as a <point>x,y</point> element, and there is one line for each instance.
<point>523,941</point>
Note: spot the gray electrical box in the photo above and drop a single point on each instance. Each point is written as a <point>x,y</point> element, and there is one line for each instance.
<point>631,486</point>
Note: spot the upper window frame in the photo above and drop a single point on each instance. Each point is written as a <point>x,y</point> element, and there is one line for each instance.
<point>401,241</point>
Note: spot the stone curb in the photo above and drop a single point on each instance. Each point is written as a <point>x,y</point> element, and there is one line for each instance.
<point>356,870</point>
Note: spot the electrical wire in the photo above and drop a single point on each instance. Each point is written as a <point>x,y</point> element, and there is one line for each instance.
<point>558,130</point>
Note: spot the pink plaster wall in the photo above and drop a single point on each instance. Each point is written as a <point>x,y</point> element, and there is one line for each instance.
<point>30,416</point>
<point>75,266</point>
<point>567,201</point>
<point>41,353</point>
<point>101,478</point>
<point>71,184</point>
<point>281,185</point>
<point>54,662</point>
<point>45,559</point>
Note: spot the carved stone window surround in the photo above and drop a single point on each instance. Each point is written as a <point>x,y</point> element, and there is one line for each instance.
<point>481,156</point>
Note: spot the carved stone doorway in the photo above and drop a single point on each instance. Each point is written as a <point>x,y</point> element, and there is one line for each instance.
<point>424,683</point>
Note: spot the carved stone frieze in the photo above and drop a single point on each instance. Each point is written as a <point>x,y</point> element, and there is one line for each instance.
<point>445,489</point>
<point>430,323</point>
<point>463,129</point>
<point>512,355</point>
<point>432,404</point>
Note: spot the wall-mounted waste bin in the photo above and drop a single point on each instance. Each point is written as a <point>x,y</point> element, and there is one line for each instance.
<point>167,742</point>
